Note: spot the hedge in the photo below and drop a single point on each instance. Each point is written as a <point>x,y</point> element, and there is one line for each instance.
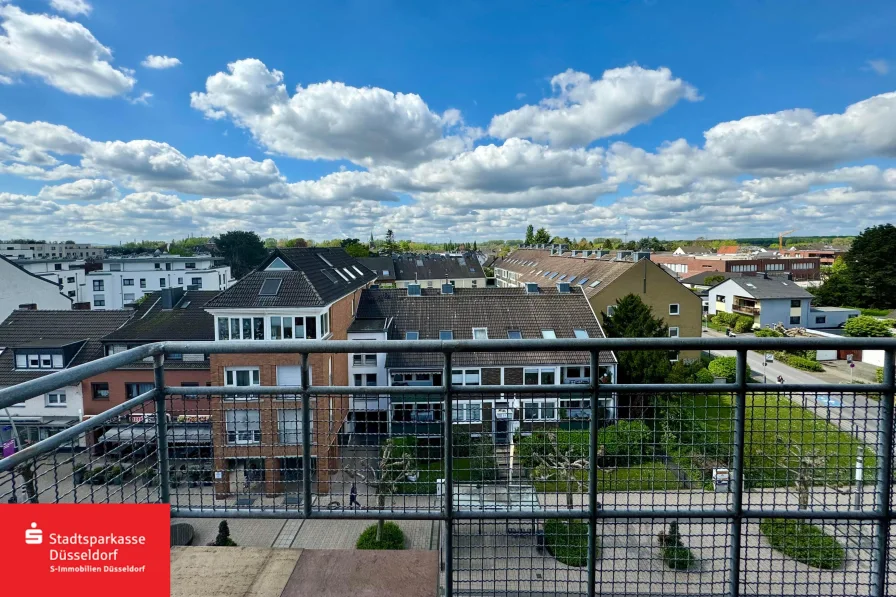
<point>567,540</point>
<point>393,538</point>
<point>704,376</point>
<point>725,367</point>
<point>798,362</point>
<point>768,333</point>
<point>743,324</point>
<point>625,443</point>
<point>804,542</point>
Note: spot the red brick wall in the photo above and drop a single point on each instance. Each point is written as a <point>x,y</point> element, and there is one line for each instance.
<point>119,377</point>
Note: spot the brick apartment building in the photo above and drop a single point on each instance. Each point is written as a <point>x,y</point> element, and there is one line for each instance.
<point>800,269</point>
<point>295,294</point>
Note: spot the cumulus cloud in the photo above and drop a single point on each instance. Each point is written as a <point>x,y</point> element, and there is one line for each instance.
<point>72,7</point>
<point>160,62</point>
<point>143,98</point>
<point>583,110</point>
<point>331,120</point>
<point>85,189</point>
<point>62,53</point>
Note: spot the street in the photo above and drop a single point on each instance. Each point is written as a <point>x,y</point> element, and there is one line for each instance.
<point>853,413</point>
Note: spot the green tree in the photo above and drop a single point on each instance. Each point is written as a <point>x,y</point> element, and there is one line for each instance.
<point>865,327</point>
<point>270,243</point>
<point>356,250</point>
<point>608,244</point>
<point>871,267</point>
<point>390,246</point>
<point>713,280</point>
<point>404,246</point>
<point>296,243</point>
<point>530,235</point>
<point>242,250</point>
<point>542,237</point>
<point>838,288</point>
<point>631,318</point>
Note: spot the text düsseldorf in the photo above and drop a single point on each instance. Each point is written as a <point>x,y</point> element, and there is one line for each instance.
<point>99,547</point>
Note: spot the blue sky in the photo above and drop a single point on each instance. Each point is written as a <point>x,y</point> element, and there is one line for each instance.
<point>455,129</point>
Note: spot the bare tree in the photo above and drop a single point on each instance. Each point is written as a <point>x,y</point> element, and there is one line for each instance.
<point>806,465</point>
<point>385,478</point>
<point>562,465</point>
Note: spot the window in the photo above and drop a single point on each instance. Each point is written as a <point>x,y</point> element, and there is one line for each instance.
<point>514,335</point>
<point>539,410</point>
<point>674,309</point>
<point>412,335</point>
<point>821,319</point>
<point>128,297</point>
<point>57,266</point>
<point>480,333</point>
<point>241,377</point>
<point>114,267</point>
<point>720,298</point>
<point>580,333</point>
<point>446,335</point>
<point>245,328</point>
<point>465,377</point>
<point>197,282</point>
<point>158,266</point>
<point>161,282</point>
<point>243,426</point>
<point>70,280</point>
<point>180,281</point>
<point>56,399</point>
<point>289,426</point>
<point>795,304</point>
<point>99,390</point>
<point>324,324</point>
<point>473,284</point>
<point>365,379</point>
<point>364,360</point>
<point>549,334</point>
<point>467,412</point>
<point>190,384</point>
<point>71,293</point>
<point>168,266</point>
<point>539,376</point>
<point>99,300</point>
<point>190,265</point>
<point>794,320</point>
<point>610,310</point>
<point>142,282</point>
<point>127,281</point>
<point>132,390</point>
<point>673,332</point>
<point>99,285</point>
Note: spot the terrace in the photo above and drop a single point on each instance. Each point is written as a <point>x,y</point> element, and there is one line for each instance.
<point>706,489</point>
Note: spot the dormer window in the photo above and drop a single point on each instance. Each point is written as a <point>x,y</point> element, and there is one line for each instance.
<point>412,335</point>
<point>480,333</point>
<point>28,359</point>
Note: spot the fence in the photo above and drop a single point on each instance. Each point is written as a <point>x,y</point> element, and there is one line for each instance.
<point>532,488</point>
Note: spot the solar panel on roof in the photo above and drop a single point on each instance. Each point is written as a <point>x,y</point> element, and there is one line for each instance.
<point>325,260</point>
<point>582,281</point>
<point>341,275</point>
<point>329,276</point>
<point>270,287</point>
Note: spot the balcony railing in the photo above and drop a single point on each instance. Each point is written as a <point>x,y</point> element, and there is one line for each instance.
<point>701,489</point>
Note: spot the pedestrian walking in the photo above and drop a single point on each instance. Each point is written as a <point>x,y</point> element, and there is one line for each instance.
<point>353,497</point>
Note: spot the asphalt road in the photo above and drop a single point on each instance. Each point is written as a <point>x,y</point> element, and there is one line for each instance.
<point>853,413</point>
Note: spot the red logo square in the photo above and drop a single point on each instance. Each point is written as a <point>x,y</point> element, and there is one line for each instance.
<point>86,549</point>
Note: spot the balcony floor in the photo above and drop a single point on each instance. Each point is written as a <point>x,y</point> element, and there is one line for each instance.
<point>260,572</point>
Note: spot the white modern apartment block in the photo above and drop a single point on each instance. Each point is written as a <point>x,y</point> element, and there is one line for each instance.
<point>50,251</point>
<point>20,287</point>
<point>69,274</point>
<point>124,280</point>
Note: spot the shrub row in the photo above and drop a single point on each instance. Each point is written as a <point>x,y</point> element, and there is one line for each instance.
<point>799,362</point>
<point>804,542</point>
<point>567,540</point>
<point>625,443</point>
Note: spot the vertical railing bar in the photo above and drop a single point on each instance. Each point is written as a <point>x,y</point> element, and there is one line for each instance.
<point>737,477</point>
<point>885,477</point>
<point>306,438</point>
<point>449,477</point>
<point>158,369</point>
<point>592,480</point>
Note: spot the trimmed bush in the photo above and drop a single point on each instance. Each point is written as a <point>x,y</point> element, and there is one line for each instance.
<point>731,318</point>
<point>865,327</point>
<point>879,375</point>
<point>676,555</point>
<point>724,367</point>
<point>704,376</point>
<point>625,443</point>
<point>393,537</point>
<point>743,324</point>
<point>223,539</point>
<point>804,542</point>
<point>567,540</point>
<point>798,362</point>
<point>768,333</point>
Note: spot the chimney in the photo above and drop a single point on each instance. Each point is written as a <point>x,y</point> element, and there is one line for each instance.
<point>28,307</point>
<point>80,306</point>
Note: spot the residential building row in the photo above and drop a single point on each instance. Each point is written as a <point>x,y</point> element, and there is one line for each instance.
<point>12,250</point>
<point>461,270</point>
<point>604,277</point>
<point>298,294</point>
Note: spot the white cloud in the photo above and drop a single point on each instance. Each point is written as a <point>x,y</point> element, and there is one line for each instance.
<point>62,53</point>
<point>43,136</point>
<point>4,80</point>
<point>331,120</point>
<point>584,110</point>
<point>160,62</point>
<point>72,7</point>
<point>85,189</point>
<point>881,67</point>
<point>143,98</point>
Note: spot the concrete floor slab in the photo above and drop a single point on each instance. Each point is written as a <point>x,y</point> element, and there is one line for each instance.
<point>231,571</point>
<point>337,573</point>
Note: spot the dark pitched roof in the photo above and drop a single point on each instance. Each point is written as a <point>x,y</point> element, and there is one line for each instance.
<point>188,320</point>
<point>25,326</point>
<point>771,288</point>
<point>318,276</point>
<point>383,267</point>
<point>437,267</point>
<point>500,310</point>
<point>533,264</point>
<point>368,325</point>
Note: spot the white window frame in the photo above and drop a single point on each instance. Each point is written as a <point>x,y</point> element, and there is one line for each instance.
<point>542,406</point>
<point>675,333</point>
<point>580,333</point>
<point>610,310</point>
<point>56,399</point>
<point>539,371</point>
<point>482,333</point>
<point>324,327</point>
<point>549,334</point>
<point>230,380</point>
<point>415,333</point>
<point>467,412</point>
<point>449,333</point>
<point>677,310</point>
<point>248,434</point>
<point>464,373</point>
<point>293,427</point>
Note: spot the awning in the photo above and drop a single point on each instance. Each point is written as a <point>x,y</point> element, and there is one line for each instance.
<point>146,434</point>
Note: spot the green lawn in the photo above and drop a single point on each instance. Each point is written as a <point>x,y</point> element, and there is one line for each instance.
<point>649,476</point>
<point>429,472</point>
<point>774,426</point>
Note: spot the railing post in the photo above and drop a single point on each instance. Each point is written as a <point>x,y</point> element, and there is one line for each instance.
<point>449,477</point>
<point>162,429</point>
<point>736,480</point>
<point>885,477</point>
<point>306,439</point>
<point>592,478</point>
